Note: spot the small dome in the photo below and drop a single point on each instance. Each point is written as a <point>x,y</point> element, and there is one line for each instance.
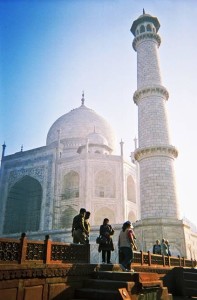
<point>97,139</point>
<point>78,124</point>
<point>145,18</point>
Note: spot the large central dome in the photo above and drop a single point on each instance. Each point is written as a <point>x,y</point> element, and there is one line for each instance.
<point>78,124</point>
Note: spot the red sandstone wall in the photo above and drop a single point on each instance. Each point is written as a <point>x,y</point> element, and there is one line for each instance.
<point>55,282</point>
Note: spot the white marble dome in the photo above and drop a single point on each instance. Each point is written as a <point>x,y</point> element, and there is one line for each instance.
<point>78,124</point>
<point>97,139</point>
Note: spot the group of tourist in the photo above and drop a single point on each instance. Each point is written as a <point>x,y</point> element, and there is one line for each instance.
<point>126,240</point>
<point>162,248</point>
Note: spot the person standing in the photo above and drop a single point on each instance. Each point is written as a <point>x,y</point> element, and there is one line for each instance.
<point>168,246</point>
<point>126,244</point>
<point>87,226</point>
<point>164,248</point>
<point>157,247</point>
<point>106,246</point>
<point>79,232</point>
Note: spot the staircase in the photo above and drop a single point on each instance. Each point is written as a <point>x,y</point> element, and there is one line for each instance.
<point>182,282</point>
<point>117,285</point>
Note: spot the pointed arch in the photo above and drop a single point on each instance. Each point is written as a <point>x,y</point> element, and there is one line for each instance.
<point>104,184</point>
<point>142,29</point>
<point>148,27</point>
<point>104,212</point>
<point>70,185</point>
<point>131,190</point>
<point>23,206</point>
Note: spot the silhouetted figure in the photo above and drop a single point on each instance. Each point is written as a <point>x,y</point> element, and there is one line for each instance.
<point>106,245</point>
<point>79,231</point>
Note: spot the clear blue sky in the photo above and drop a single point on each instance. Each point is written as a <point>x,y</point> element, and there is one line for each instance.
<point>52,50</point>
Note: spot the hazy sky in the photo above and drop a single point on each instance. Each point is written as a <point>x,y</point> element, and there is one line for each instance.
<point>52,50</point>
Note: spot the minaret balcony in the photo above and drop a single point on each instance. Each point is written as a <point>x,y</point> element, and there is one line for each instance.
<point>160,150</point>
<point>146,36</point>
<point>150,91</point>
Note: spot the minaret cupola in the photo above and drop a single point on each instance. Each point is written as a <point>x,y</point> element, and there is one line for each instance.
<point>145,23</point>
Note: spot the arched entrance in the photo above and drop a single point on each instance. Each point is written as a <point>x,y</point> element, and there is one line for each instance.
<point>23,206</point>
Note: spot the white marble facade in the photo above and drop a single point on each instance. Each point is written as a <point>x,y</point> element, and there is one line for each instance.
<point>77,168</point>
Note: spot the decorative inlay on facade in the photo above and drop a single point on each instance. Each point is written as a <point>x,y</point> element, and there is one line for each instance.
<point>37,173</point>
<point>167,150</point>
<point>153,90</point>
<point>144,36</point>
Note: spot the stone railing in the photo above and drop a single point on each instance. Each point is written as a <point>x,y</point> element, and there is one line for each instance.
<point>149,259</point>
<point>26,251</point>
<point>23,251</point>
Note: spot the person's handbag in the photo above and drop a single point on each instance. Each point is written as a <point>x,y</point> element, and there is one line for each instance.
<point>101,240</point>
<point>98,239</point>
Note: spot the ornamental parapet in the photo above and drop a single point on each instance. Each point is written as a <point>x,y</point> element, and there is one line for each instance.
<point>151,90</point>
<point>146,35</point>
<point>160,150</point>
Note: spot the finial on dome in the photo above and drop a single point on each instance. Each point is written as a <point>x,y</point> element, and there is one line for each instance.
<point>143,11</point>
<point>82,99</point>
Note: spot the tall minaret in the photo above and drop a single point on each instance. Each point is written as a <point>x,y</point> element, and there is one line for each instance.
<point>155,154</point>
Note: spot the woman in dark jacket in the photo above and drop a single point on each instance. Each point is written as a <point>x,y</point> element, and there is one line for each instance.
<point>106,245</point>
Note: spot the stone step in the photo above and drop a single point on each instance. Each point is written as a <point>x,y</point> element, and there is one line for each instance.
<point>182,282</point>
<point>97,294</point>
<point>144,279</point>
<point>114,275</point>
<point>108,284</point>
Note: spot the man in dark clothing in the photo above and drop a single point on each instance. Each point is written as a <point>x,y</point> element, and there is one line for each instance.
<point>79,231</point>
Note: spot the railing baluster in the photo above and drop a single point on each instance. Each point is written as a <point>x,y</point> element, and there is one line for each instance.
<point>23,248</point>
<point>179,260</point>
<point>183,261</point>
<point>149,258</point>
<point>47,258</point>
<point>142,257</point>
<point>164,260</point>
